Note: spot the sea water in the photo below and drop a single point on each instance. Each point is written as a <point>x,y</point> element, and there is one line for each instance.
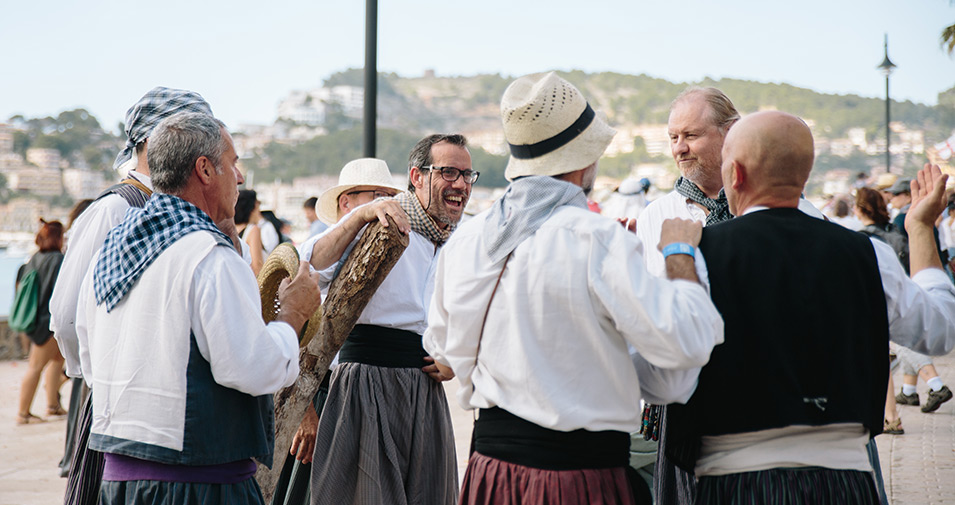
<point>9,264</point>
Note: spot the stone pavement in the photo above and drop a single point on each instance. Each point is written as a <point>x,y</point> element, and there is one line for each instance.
<point>919,467</point>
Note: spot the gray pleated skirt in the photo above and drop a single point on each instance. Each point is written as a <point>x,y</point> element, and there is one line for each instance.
<point>153,492</point>
<point>384,437</point>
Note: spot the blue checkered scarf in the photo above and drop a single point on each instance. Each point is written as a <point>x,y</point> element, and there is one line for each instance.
<point>156,105</point>
<point>135,243</point>
<point>525,206</point>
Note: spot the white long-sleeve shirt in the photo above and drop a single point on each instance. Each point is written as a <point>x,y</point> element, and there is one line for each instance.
<point>921,315</point>
<point>86,237</point>
<point>554,350</point>
<point>135,356</point>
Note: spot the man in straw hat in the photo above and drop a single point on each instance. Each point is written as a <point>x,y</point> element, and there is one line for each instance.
<point>360,181</point>
<point>86,237</point>
<point>176,412</point>
<point>385,434</point>
<point>804,441</point>
<point>536,304</point>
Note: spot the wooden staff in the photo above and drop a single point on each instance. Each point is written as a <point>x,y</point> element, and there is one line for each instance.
<point>373,257</point>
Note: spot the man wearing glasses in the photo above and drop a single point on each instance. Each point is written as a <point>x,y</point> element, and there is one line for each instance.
<point>385,433</point>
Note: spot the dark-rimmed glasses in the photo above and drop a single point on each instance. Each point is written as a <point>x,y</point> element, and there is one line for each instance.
<point>378,193</point>
<point>451,174</point>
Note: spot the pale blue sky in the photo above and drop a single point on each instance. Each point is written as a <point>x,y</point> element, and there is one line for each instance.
<point>244,56</point>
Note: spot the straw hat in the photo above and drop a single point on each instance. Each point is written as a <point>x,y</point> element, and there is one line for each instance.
<point>885,180</point>
<point>360,172</point>
<point>281,264</point>
<point>550,128</point>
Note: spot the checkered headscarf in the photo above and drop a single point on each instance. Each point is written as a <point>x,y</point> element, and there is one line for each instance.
<point>420,221</point>
<point>135,243</point>
<point>718,207</point>
<point>152,108</point>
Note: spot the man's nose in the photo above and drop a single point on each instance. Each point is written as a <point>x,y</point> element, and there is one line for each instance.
<point>679,146</point>
<point>238,177</point>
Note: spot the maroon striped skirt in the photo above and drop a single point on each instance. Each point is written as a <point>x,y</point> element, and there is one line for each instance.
<point>492,481</point>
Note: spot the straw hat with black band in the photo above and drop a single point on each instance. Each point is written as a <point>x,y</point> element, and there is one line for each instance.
<point>356,173</point>
<point>550,128</point>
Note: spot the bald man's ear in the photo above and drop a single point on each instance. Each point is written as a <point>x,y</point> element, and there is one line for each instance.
<point>737,175</point>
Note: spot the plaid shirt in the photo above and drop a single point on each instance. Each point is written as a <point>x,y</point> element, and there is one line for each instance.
<point>156,105</point>
<point>143,235</point>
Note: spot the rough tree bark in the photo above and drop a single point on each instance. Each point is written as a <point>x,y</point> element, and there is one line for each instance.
<point>373,257</point>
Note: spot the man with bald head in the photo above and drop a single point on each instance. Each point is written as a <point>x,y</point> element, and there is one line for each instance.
<point>776,275</point>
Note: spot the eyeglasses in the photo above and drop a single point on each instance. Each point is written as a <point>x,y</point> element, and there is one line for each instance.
<point>378,193</point>
<point>451,174</point>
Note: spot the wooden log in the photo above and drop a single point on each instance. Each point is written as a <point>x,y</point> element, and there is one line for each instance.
<point>372,258</point>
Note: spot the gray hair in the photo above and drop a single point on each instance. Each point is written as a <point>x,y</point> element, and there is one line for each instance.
<point>175,145</point>
<point>722,111</point>
<point>421,153</point>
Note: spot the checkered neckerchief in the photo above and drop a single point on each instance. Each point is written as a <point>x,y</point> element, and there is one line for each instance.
<point>420,221</point>
<point>719,208</point>
<point>156,105</point>
<point>135,243</point>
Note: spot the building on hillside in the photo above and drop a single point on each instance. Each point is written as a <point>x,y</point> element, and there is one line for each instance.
<point>80,183</point>
<point>44,158</point>
<point>6,139</point>
<point>23,215</point>
<point>311,107</point>
<point>857,138</point>
<point>491,141</point>
<point>655,138</point>
<point>38,181</point>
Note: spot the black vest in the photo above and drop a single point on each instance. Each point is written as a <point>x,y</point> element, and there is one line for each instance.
<point>806,331</point>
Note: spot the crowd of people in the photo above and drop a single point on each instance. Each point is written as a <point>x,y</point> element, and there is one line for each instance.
<point>579,340</point>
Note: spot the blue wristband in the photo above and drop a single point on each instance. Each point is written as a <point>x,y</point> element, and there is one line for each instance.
<point>679,248</point>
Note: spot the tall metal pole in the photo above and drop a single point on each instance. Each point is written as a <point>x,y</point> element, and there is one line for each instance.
<point>887,66</point>
<point>888,131</point>
<point>371,78</point>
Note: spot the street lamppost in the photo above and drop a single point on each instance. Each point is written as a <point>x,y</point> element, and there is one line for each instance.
<point>887,66</point>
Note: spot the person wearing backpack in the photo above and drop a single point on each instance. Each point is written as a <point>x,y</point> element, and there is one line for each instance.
<point>43,268</point>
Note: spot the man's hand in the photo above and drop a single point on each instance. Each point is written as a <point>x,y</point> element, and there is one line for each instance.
<point>680,230</point>
<point>378,209</point>
<point>928,201</point>
<point>437,371</point>
<point>628,224</point>
<point>299,298</point>
<point>928,197</point>
<point>303,444</point>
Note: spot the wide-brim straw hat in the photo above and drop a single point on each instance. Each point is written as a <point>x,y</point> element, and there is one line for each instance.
<point>283,263</point>
<point>360,172</point>
<point>550,128</point>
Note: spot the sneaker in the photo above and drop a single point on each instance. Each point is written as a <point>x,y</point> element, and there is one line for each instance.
<point>936,399</point>
<point>904,399</point>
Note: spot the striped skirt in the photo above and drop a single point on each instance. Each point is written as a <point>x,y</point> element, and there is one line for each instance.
<point>153,492</point>
<point>86,467</point>
<point>789,486</point>
<point>384,436</point>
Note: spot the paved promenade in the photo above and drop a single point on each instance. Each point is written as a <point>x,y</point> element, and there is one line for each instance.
<point>919,467</point>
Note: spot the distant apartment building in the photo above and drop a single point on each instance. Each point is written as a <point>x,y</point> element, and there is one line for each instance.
<point>80,183</point>
<point>6,139</point>
<point>311,107</point>
<point>23,215</point>
<point>857,138</point>
<point>44,158</point>
<point>39,181</point>
<point>654,137</point>
<point>491,141</point>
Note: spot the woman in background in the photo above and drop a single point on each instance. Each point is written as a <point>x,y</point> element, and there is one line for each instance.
<point>246,215</point>
<point>44,350</point>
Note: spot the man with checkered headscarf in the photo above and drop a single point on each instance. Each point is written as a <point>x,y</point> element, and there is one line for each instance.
<point>385,433</point>
<point>86,237</point>
<point>537,302</point>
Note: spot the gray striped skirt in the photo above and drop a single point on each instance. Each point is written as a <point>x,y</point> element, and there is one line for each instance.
<point>384,437</point>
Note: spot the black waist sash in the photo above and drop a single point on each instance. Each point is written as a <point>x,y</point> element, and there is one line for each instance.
<point>502,435</point>
<point>380,346</point>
